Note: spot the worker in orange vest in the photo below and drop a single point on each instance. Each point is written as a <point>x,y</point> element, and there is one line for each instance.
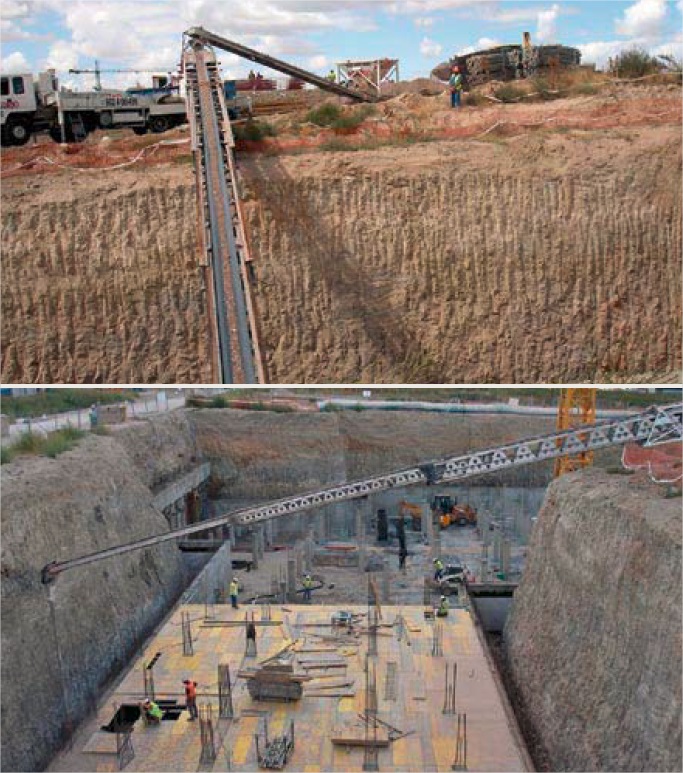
<point>191,698</point>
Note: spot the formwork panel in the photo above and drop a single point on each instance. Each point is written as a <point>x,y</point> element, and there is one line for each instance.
<point>492,739</point>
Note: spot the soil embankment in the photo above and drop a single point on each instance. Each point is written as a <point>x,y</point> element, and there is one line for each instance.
<point>101,283</point>
<point>61,643</point>
<point>548,258</point>
<point>594,635</point>
<point>521,243</point>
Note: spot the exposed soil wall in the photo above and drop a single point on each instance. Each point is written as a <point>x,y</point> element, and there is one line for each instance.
<point>61,643</point>
<point>264,455</point>
<point>551,258</point>
<point>100,279</point>
<point>553,255</point>
<point>594,635</point>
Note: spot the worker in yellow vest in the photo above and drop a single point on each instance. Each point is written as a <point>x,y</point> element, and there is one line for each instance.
<point>308,584</point>
<point>234,590</point>
<point>438,569</point>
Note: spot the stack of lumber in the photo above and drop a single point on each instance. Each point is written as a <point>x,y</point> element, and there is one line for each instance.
<point>275,680</point>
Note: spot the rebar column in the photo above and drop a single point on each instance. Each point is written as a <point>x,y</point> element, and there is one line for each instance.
<point>505,558</point>
<point>225,706</point>
<point>361,505</point>
<point>310,546</point>
<point>254,549</point>
<point>291,579</point>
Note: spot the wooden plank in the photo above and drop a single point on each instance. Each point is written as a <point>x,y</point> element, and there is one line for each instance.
<point>380,743</point>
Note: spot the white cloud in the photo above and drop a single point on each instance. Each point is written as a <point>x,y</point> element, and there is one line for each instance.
<point>15,62</point>
<point>599,51</point>
<point>487,43</point>
<point>426,21</point>
<point>319,62</point>
<point>62,56</point>
<point>430,48</point>
<point>673,47</point>
<point>12,9</point>
<point>481,45</point>
<point>642,19</point>
<point>546,24</point>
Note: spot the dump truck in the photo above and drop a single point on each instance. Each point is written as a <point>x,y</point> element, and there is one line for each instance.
<point>29,106</point>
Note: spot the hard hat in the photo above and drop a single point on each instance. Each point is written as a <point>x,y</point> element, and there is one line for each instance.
<point>146,702</point>
<point>234,579</point>
<point>443,598</point>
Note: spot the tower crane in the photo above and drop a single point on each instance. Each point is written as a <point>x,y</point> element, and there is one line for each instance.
<point>577,408</point>
<point>97,70</point>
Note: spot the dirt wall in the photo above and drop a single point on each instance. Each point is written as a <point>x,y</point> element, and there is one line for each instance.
<point>261,455</point>
<point>594,635</point>
<point>100,279</point>
<point>547,258</point>
<point>62,642</point>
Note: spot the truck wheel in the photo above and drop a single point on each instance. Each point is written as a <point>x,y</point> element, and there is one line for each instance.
<point>462,521</point>
<point>106,120</point>
<point>19,133</point>
<point>139,130</point>
<point>159,124</point>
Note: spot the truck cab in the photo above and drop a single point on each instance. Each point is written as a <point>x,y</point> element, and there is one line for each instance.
<point>18,107</point>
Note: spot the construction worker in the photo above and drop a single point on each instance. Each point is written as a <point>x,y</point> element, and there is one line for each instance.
<point>308,584</point>
<point>442,611</point>
<point>191,698</point>
<point>332,76</point>
<point>234,590</point>
<point>456,84</point>
<point>438,569</point>
<point>402,555</point>
<point>153,714</point>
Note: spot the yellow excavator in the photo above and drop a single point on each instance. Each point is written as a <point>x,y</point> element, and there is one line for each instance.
<point>444,507</point>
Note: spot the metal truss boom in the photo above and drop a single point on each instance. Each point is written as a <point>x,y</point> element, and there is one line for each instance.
<point>204,36</point>
<point>657,424</point>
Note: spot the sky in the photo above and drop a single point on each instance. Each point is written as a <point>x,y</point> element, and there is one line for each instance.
<point>147,34</point>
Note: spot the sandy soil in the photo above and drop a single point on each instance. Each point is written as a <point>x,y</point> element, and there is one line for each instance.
<point>531,244</point>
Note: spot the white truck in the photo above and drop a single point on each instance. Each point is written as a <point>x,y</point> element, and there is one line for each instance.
<point>28,107</point>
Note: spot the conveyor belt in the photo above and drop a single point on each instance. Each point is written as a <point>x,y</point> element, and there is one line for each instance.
<point>204,36</point>
<point>237,356</point>
<point>656,425</point>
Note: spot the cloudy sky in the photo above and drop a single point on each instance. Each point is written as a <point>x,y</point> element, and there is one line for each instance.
<point>147,34</point>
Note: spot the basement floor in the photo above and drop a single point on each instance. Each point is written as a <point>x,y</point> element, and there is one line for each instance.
<point>413,704</point>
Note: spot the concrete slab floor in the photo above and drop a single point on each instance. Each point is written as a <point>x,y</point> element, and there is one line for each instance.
<point>415,704</point>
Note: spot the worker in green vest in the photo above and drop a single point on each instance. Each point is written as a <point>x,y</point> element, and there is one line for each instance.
<point>234,590</point>
<point>438,569</point>
<point>308,584</point>
<point>442,611</point>
<point>331,76</point>
<point>153,714</point>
